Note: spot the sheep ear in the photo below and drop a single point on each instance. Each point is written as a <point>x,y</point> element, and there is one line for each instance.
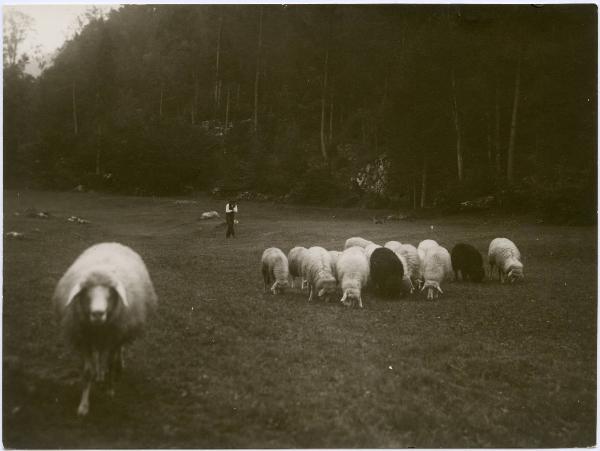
<point>321,292</point>
<point>120,289</point>
<point>344,296</point>
<point>440,290</point>
<point>73,293</point>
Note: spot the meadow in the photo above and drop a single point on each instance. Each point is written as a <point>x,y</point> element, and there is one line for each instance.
<point>224,365</point>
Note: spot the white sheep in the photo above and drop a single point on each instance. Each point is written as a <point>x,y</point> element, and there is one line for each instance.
<point>295,257</point>
<point>316,268</point>
<point>505,255</point>
<point>411,264</point>
<point>393,245</point>
<point>424,246</point>
<point>436,267</point>
<point>274,267</point>
<point>102,302</point>
<point>335,255</point>
<point>357,241</point>
<point>353,274</point>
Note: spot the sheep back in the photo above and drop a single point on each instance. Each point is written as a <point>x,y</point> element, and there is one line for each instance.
<point>356,241</point>
<point>295,257</point>
<point>275,265</point>
<point>386,271</point>
<point>467,260</point>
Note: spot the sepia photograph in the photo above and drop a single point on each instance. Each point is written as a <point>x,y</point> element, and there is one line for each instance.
<point>295,226</point>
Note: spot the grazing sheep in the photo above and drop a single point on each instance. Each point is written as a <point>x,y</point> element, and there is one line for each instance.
<point>353,274</point>
<point>209,215</point>
<point>411,268</point>
<point>295,257</point>
<point>437,267</point>
<point>316,268</point>
<point>424,246</point>
<point>504,254</point>
<point>335,255</point>
<point>370,249</point>
<point>274,265</point>
<point>386,272</point>
<point>468,261</point>
<point>102,302</point>
<point>357,241</point>
<point>393,245</point>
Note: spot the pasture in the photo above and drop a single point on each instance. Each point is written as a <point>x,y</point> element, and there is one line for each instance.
<point>225,365</point>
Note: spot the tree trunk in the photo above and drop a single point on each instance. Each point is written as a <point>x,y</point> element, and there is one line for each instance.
<point>227,112</point>
<point>74,110</point>
<point>237,97</point>
<point>217,65</point>
<point>98,149</point>
<point>497,137</point>
<point>489,141</point>
<point>257,75</point>
<point>459,153</point>
<point>160,107</point>
<point>323,102</point>
<point>424,182</point>
<point>331,120</point>
<point>196,95</point>
<point>513,125</point>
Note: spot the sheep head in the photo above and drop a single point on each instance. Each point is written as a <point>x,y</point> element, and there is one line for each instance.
<point>326,288</point>
<point>97,300</point>
<point>279,286</point>
<point>351,298</point>
<point>515,273</point>
<point>433,290</point>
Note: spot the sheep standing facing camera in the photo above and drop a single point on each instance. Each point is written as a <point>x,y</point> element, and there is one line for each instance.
<point>295,257</point>
<point>274,266</point>
<point>353,274</point>
<point>102,302</point>
<point>505,255</point>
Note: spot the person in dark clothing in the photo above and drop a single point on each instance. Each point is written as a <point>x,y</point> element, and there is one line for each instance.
<point>230,211</point>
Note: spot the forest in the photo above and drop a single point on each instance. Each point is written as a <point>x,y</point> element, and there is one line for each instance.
<point>385,106</point>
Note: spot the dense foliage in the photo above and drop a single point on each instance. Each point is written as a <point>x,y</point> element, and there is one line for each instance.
<point>295,101</point>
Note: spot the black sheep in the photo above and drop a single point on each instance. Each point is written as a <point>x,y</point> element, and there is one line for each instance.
<point>468,261</point>
<point>386,272</point>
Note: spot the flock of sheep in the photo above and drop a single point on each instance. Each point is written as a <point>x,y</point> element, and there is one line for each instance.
<point>389,269</point>
<point>104,297</point>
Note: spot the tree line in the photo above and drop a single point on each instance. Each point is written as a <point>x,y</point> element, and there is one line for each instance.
<point>432,104</point>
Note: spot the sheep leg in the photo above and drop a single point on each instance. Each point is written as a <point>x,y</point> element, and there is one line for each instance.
<point>114,369</point>
<point>310,292</point>
<point>88,376</point>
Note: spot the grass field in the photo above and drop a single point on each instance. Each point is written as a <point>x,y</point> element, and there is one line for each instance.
<point>224,365</point>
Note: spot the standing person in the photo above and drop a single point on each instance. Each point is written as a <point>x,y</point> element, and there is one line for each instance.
<point>230,211</point>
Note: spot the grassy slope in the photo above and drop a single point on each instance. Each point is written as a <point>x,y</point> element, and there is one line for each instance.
<point>224,365</point>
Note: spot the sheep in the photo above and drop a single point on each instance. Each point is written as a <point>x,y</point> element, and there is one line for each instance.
<point>424,246</point>
<point>335,255</point>
<point>353,274</point>
<point>412,267</point>
<point>468,261</point>
<point>370,249</point>
<point>295,257</point>
<point>504,254</point>
<point>274,265</point>
<point>386,272</point>
<point>316,268</point>
<point>393,245</point>
<point>357,241</point>
<point>436,267</point>
<point>102,302</point>
<point>209,215</point>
